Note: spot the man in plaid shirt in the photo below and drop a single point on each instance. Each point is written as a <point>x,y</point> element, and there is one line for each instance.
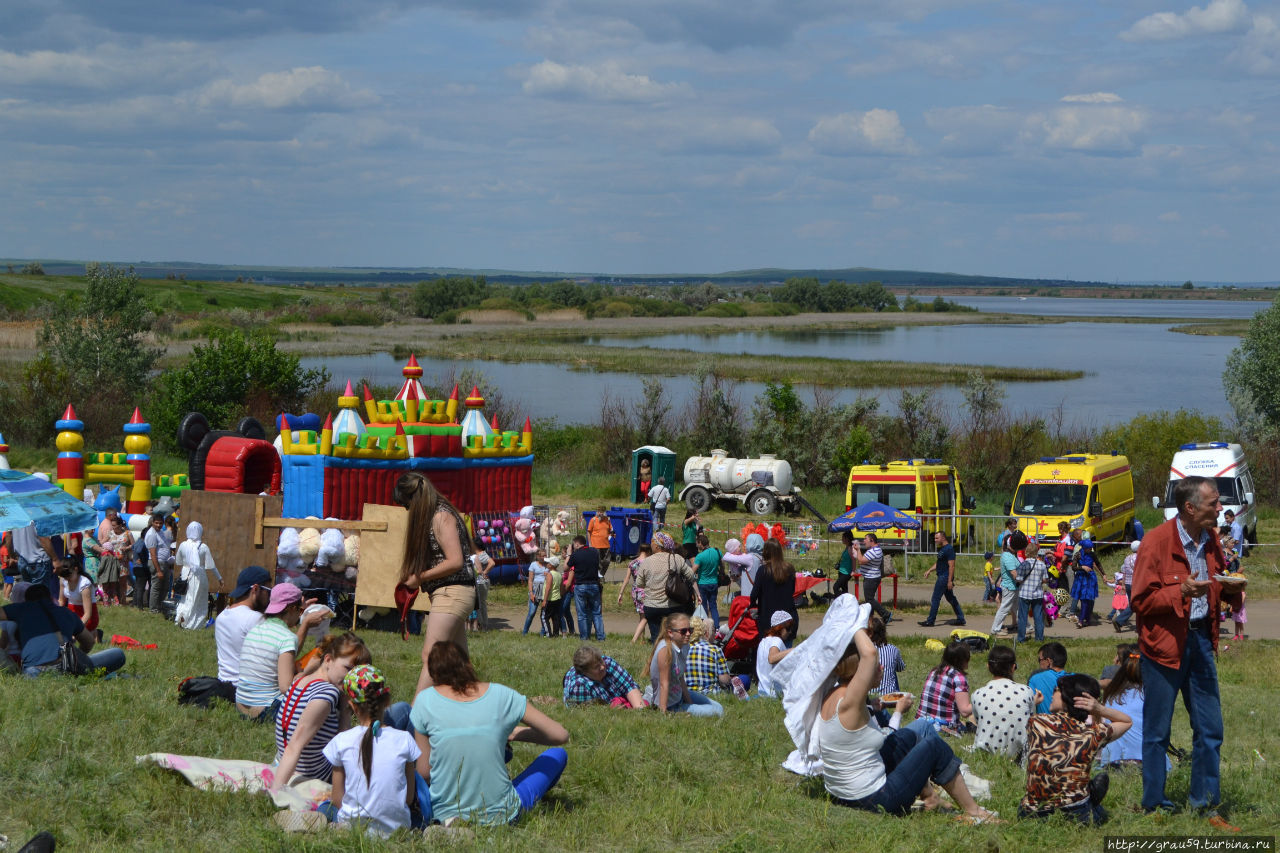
<point>599,678</point>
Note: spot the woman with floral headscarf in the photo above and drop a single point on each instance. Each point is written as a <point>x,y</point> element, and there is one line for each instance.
<point>196,562</point>
<point>652,575</point>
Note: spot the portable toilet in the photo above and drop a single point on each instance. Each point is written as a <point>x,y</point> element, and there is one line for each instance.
<point>648,463</point>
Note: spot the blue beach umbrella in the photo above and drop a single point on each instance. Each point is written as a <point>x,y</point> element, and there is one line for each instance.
<point>24,499</point>
<point>873,515</point>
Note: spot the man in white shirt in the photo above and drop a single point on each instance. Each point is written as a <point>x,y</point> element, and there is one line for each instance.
<point>659,496</point>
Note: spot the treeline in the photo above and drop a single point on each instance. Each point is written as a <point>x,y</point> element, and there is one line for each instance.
<point>983,438</point>
<point>445,300</point>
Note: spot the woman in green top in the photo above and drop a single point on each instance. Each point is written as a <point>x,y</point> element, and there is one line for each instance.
<point>707,566</point>
<point>689,534</point>
<point>844,569</point>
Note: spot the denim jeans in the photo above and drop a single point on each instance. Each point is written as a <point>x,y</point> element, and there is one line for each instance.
<point>107,659</point>
<point>1036,605</point>
<point>587,598</point>
<point>911,758</point>
<point>707,592</point>
<point>1197,680</point>
<point>940,592</point>
<point>700,706</point>
<point>533,608</point>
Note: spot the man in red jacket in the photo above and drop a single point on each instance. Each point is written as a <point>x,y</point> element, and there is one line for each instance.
<point>1176,599</point>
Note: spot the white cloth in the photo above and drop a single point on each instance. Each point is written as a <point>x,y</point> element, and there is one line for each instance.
<point>805,676</point>
<point>764,669</point>
<point>381,799</point>
<point>196,562</point>
<point>229,631</point>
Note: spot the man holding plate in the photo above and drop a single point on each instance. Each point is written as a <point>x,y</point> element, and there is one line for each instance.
<point>1177,584</point>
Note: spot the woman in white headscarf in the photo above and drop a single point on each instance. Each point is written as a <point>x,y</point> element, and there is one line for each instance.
<point>195,562</point>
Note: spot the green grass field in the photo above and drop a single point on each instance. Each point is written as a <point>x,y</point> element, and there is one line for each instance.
<point>635,781</point>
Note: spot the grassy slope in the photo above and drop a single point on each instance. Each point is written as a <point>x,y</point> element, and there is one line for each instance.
<point>635,781</point>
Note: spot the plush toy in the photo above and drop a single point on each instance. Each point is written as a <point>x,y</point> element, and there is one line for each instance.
<point>308,544</point>
<point>526,543</point>
<point>333,551</point>
<point>289,562</point>
<point>352,547</point>
<point>560,524</point>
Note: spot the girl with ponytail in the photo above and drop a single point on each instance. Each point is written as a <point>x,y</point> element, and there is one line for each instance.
<point>374,783</point>
<point>1124,692</point>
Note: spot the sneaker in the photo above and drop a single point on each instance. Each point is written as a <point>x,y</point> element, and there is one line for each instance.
<point>1219,823</point>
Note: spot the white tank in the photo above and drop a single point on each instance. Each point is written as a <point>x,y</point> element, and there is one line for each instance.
<point>728,474</point>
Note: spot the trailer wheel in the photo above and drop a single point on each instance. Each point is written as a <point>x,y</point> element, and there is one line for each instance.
<point>762,502</point>
<point>697,499</point>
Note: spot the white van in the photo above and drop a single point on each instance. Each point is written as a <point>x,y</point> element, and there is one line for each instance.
<point>1224,464</point>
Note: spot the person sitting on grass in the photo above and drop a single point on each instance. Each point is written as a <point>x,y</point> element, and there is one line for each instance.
<point>772,649</point>
<point>708,671</point>
<point>945,698</point>
<point>374,780</point>
<point>41,627</point>
<point>1123,691</point>
<point>1002,707</point>
<point>666,672</point>
<point>268,656</point>
<point>313,712</point>
<point>865,767</point>
<point>1061,746</point>
<point>463,725</point>
<point>1053,660</point>
<point>599,678</point>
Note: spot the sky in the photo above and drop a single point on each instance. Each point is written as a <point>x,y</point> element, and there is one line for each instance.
<point>1113,141</point>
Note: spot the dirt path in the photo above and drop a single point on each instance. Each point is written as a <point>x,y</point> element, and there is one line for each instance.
<point>913,599</point>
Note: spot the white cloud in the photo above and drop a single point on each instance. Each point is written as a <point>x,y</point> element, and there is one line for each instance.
<point>1093,98</point>
<point>876,131</point>
<point>1259,51</point>
<point>1108,129</point>
<point>606,82</point>
<point>161,67</point>
<point>984,129</point>
<point>1218,16</point>
<point>1170,216</point>
<point>883,201</point>
<point>314,88</point>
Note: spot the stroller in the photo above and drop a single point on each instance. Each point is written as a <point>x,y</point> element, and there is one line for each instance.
<point>743,637</point>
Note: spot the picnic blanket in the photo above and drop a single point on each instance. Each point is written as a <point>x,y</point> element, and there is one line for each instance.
<point>231,774</point>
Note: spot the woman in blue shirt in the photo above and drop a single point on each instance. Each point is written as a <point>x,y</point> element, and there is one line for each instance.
<point>462,725</point>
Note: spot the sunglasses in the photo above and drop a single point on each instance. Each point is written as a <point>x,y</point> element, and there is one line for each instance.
<point>684,632</point>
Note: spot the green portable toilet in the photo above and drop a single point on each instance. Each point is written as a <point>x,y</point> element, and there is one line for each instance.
<point>648,463</point>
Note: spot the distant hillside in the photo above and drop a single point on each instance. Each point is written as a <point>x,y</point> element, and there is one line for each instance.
<point>409,275</point>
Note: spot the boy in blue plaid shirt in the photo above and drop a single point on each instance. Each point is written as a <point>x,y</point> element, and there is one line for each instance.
<point>599,678</point>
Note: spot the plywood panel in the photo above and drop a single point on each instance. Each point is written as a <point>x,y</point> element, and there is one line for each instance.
<point>381,557</point>
<point>228,520</point>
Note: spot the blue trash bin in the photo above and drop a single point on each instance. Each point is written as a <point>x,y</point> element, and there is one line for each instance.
<point>631,528</point>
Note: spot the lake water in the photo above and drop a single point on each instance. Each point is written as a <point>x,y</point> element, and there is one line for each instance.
<point>1129,367</point>
<point>1191,309</point>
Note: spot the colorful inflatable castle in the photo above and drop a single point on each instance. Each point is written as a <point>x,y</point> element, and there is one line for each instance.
<point>350,461</point>
<point>131,469</point>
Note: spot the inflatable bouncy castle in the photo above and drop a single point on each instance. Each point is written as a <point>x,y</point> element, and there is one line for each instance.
<point>131,469</point>
<point>331,469</point>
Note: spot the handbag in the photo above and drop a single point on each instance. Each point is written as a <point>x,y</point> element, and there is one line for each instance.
<point>71,658</point>
<point>180,586</point>
<point>678,588</point>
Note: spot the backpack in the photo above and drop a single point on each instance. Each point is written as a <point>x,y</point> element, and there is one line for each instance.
<point>141,556</point>
<point>975,640</point>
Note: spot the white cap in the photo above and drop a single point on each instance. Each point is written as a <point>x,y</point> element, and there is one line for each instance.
<point>1133,546</point>
<point>779,617</point>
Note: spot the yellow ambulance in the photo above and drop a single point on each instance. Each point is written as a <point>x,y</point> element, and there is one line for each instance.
<point>1086,490</point>
<point>925,487</point>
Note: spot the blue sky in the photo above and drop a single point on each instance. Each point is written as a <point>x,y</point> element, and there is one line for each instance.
<point>1125,140</point>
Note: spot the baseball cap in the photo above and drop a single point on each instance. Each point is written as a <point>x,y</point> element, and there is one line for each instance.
<point>282,595</point>
<point>251,576</point>
<point>988,555</point>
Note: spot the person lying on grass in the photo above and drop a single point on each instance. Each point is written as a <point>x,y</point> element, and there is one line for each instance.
<point>866,767</point>
<point>599,678</point>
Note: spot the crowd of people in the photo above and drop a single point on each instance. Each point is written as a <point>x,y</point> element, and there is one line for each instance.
<point>443,754</point>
